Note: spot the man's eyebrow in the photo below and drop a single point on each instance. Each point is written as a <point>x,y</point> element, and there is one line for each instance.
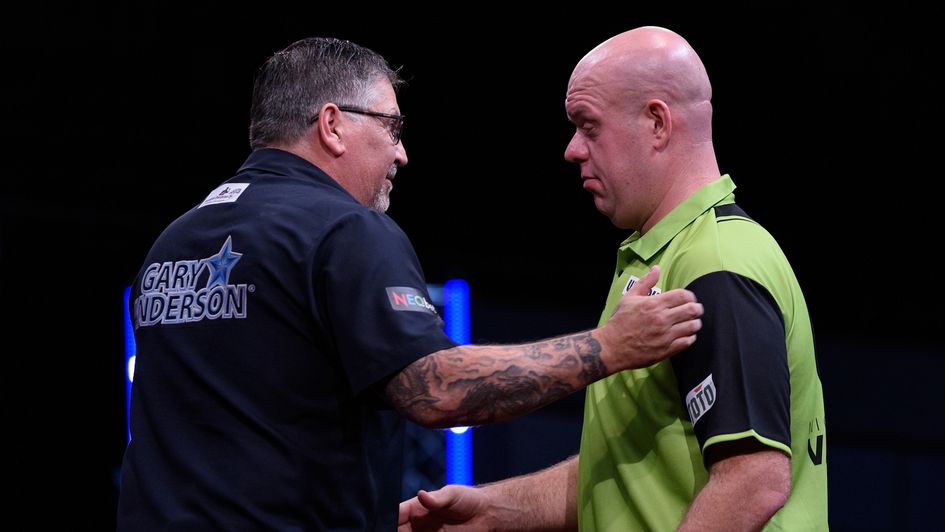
<point>580,114</point>
<point>575,114</point>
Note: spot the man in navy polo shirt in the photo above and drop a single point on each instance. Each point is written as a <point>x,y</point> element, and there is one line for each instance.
<point>283,324</point>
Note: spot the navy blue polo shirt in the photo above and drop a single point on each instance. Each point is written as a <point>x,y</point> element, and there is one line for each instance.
<point>267,318</point>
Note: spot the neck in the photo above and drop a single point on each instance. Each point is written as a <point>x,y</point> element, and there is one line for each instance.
<point>686,176</point>
<point>302,150</point>
<point>324,161</point>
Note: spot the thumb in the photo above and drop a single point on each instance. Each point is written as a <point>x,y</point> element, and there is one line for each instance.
<point>644,285</point>
<point>434,500</point>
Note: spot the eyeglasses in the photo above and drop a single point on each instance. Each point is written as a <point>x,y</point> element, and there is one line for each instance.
<point>395,123</point>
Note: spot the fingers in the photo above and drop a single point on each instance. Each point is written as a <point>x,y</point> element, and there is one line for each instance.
<point>421,512</point>
<point>671,299</point>
<point>683,335</point>
<point>686,328</point>
<point>674,298</point>
<point>685,312</point>
<point>681,343</point>
<point>645,330</point>
<point>409,510</point>
<point>403,514</point>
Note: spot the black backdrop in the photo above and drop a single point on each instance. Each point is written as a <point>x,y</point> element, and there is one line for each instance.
<point>116,119</point>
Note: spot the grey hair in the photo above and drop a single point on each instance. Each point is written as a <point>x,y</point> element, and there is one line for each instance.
<point>294,83</point>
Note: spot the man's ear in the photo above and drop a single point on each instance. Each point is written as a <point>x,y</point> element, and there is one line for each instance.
<point>329,129</point>
<point>660,122</point>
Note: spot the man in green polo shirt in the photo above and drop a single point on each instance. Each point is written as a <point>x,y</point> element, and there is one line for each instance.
<point>729,434</point>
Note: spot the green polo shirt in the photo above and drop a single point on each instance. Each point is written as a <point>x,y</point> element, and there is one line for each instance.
<point>750,374</point>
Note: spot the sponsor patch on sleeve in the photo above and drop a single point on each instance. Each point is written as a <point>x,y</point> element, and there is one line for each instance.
<point>700,399</point>
<point>409,299</point>
<point>227,193</point>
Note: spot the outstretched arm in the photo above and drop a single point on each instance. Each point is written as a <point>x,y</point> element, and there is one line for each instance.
<point>470,385</point>
<point>477,384</point>
<point>542,501</point>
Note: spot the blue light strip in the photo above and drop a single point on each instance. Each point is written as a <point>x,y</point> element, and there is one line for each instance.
<point>456,310</point>
<point>458,439</point>
<point>130,350</point>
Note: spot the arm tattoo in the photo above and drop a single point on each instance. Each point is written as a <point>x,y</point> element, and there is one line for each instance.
<point>481,384</point>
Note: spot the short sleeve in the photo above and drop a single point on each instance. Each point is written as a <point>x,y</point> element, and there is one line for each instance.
<point>734,381</point>
<point>372,299</point>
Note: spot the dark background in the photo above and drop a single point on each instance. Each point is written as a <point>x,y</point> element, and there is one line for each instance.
<point>116,119</point>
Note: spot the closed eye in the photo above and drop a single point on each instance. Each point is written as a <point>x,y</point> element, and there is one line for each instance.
<point>588,129</point>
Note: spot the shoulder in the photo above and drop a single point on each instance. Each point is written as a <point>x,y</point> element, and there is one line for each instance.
<point>724,239</point>
<point>366,237</point>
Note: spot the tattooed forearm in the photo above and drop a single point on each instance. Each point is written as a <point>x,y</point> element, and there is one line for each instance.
<point>468,385</point>
<point>592,366</point>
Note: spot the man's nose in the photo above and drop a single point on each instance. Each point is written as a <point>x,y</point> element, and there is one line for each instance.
<point>576,150</point>
<point>401,154</point>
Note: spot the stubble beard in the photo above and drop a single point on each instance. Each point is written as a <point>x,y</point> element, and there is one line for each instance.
<point>381,200</point>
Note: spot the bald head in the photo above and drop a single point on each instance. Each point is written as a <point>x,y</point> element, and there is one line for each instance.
<point>640,103</point>
<point>652,62</point>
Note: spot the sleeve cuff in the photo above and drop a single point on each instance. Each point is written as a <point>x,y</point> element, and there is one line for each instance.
<point>747,434</point>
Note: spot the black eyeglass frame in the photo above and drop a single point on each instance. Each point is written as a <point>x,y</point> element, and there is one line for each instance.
<point>394,129</point>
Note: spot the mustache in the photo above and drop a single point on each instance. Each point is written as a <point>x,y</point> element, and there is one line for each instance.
<point>392,171</point>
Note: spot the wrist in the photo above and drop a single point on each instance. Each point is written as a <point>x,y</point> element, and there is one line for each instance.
<point>606,355</point>
<point>502,509</point>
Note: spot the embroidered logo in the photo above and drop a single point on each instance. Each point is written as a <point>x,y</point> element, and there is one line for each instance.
<point>700,399</point>
<point>227,193</point>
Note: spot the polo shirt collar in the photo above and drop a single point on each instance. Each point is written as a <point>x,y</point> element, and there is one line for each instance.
<point>710,195</point>
<point>276,161</point>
